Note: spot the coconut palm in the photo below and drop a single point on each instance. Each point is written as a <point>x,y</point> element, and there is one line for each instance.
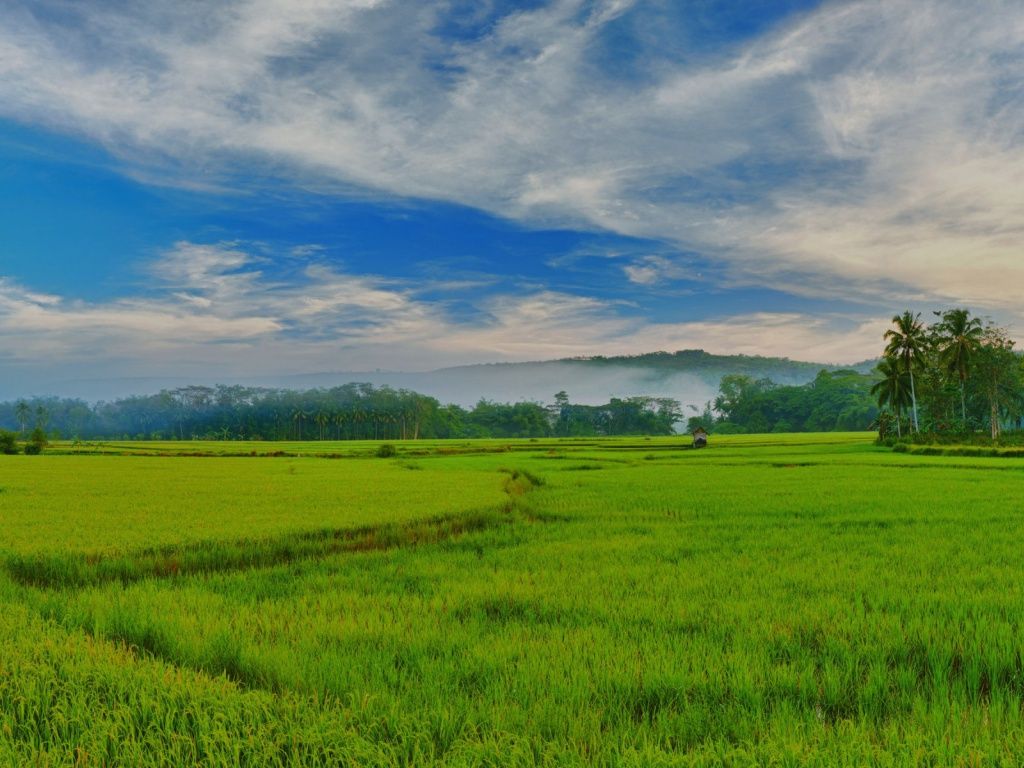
<point>22,411</point>
<point>893,390</point>
<point>906,342</point>
<point>960,337</point>
<point>339,418</point>
<point>299,417</point>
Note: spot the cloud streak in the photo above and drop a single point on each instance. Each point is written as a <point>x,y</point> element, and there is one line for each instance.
<point>210,310</point>
<point>871,150</point>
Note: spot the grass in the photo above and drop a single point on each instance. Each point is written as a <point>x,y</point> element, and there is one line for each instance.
<point>801,600</point>
<point>103,504</point>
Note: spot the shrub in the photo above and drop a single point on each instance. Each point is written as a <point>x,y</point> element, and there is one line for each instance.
<point>386,451</point>
<point>33,449</point>
<point>8,442</point>
<point>37,441</point>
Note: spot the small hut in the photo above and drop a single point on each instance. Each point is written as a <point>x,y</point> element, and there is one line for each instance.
<point>700,437</point>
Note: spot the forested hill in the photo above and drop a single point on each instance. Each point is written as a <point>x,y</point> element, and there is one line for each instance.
<point>690,376</point>
<point>646,394</point>
<point>696,362</point>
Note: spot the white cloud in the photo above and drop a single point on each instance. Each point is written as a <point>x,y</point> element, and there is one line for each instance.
<point>655,270</point>
<point>209,311</point>
<point>879,147</point>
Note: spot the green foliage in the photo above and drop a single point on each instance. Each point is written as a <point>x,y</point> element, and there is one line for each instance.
<point>8,442</point>
<point>349,412</point>
<point>907,343</point>
<point>38,439</point>
<point>705,420</point>
<point>386,451</point>
<point>834,401</point>
<point>966,372</point>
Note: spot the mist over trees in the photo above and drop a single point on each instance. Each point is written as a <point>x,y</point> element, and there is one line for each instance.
<point>350,412</point>
<point>956,376</point>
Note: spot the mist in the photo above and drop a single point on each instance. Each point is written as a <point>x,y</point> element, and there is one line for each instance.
<point>586,384</point>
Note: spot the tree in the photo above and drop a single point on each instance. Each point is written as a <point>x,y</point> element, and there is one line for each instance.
<point>560,414</point>
<point>959,338</point>
<point>299,417</point>
<point>999,372</point>
<point>8,442</point>
<point>704,420</point>
<point>339,418</point>
<point>734,389</point>
<point>22,411</point>
<point>37,440</point>
<point>906,342</point>
<point>42,417</point>
<point>893,390</point>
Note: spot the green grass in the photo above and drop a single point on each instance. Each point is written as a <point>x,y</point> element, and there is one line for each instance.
<point>102,504</point>
<point>801,600</point>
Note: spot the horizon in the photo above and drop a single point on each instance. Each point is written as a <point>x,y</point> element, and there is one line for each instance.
<point>431,381</point>
<point>265,188</point>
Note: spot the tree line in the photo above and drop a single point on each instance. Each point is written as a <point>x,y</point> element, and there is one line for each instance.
<point>350,412</point>
<point>954,376</point>
<point>832,401</point>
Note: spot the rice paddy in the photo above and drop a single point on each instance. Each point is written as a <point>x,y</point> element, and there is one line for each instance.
<point>771,600</point>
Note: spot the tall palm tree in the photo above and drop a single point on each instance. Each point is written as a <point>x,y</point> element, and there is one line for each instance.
<point>22,411</point>
<point>298,417</point>
<point>42,417</point>
<point>959,340</point>
<point>339,419</point>
<point>906,342</point>
<point>893,390</point>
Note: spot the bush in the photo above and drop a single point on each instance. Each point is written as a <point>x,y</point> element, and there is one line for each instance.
<point>36,442</point>
<point>8,442</point>
<point>386,451</point>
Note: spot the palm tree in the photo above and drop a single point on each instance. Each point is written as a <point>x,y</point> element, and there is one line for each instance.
<point>906,343</point>
<point>22,411</point>
<point>298,417</point>
<point>893,390</point>
<point>42,417</point>
<point>959,340</point>
<point>339,419</point>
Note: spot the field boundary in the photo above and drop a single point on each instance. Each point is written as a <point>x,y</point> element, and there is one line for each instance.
<point>965,451</point>
<point>89,569</point>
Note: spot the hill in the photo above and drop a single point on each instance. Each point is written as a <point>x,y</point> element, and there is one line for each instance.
<point>690,376</point>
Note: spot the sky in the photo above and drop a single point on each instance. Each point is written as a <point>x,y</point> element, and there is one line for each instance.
<point>256,187</point>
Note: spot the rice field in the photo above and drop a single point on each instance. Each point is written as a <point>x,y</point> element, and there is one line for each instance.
<point>771,600</point>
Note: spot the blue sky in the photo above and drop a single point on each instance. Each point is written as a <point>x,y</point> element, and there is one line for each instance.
<point>239,188</point>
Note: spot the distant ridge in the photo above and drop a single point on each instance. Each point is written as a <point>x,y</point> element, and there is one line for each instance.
<point>695,361</point>
<point>690,376</point>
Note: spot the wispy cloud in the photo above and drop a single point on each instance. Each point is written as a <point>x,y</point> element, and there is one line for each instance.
<point>872,149</point>
<point>210,309</point>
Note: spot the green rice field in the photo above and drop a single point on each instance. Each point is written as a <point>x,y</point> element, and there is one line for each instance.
<point>783,600</point>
